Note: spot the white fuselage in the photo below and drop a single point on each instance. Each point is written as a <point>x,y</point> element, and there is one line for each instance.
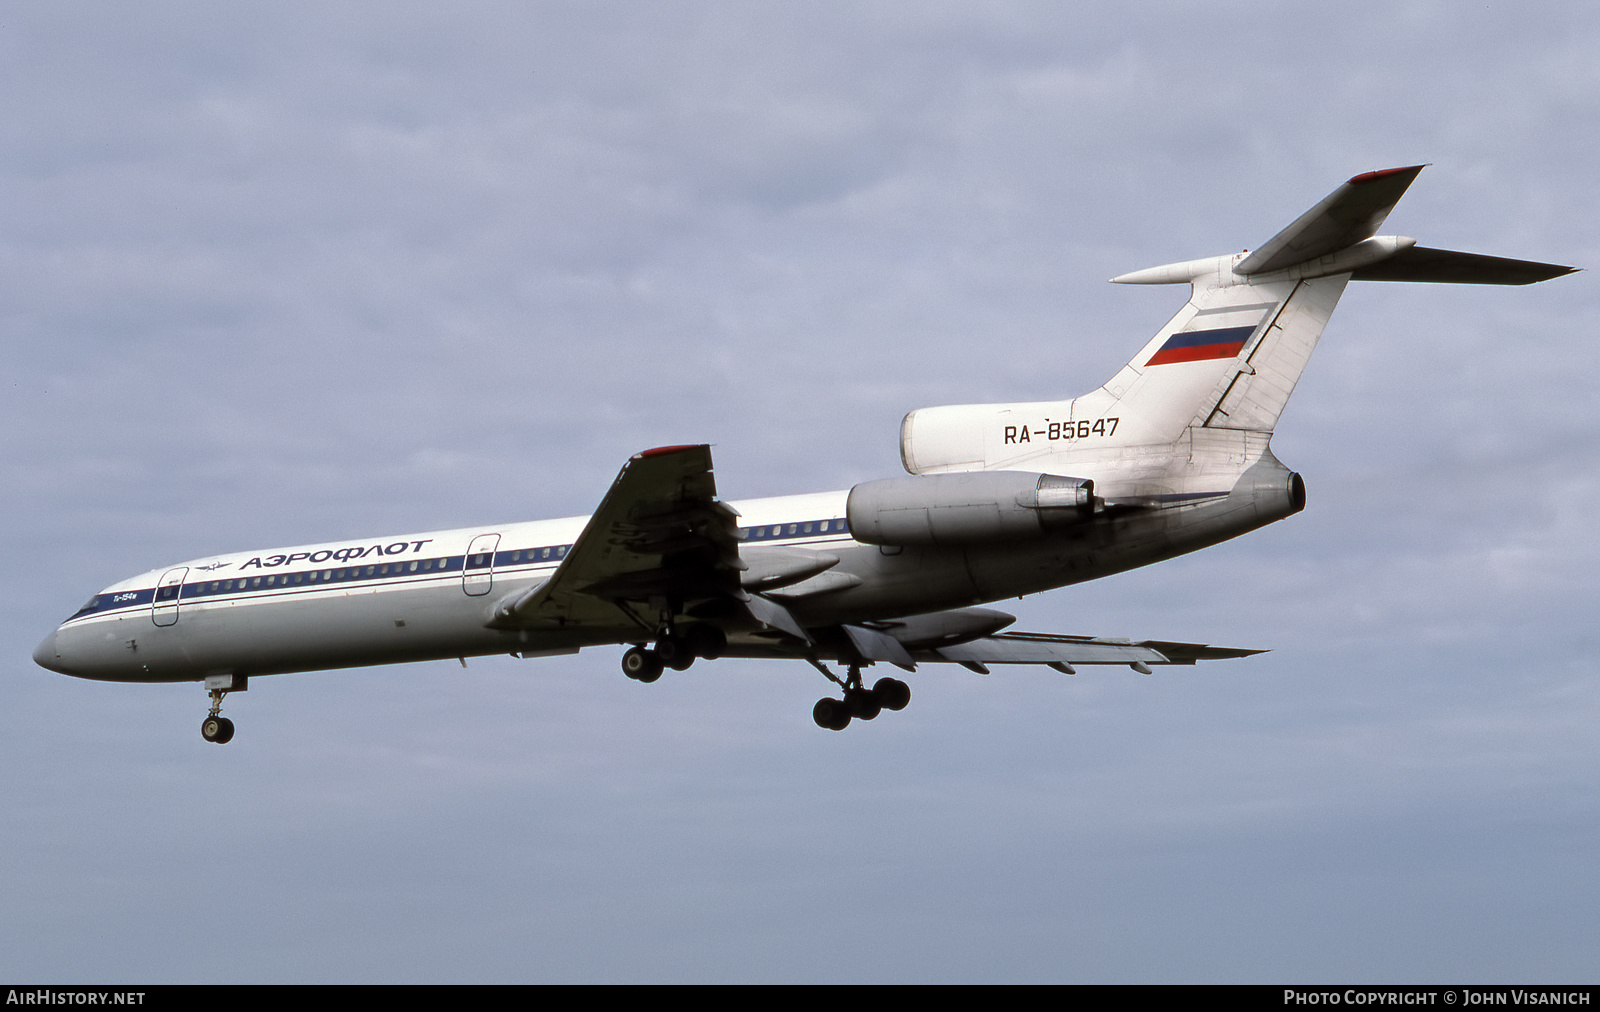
<point>430,595</point>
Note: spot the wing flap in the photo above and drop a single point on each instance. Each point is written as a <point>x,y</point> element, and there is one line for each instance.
<point>1045,648</point>
<point>775,616</point>
<point>873,645</point>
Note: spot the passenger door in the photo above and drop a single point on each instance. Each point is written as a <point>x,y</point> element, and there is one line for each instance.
<point>164,606</point>
<point>477,572</point>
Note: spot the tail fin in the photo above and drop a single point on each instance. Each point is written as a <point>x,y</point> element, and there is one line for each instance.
<point>1254,319</point>
<point>1230,358</point>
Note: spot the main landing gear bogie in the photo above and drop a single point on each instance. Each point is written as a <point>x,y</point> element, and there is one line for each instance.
<point>675,651</point>
<point>860,703</point>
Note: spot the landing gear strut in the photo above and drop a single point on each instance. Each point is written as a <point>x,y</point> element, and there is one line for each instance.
<point>858,702</point>
<point>216,728</point>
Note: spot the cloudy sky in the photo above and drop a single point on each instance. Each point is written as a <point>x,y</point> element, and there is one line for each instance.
<point>321,271</point>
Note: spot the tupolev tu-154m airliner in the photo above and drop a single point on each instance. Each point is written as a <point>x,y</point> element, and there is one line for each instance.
<point>1171,455</point>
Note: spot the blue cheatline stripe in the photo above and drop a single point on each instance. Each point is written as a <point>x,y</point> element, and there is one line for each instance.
<point>411,570</point>
<point>1221,335</point>
<point>831,527</point>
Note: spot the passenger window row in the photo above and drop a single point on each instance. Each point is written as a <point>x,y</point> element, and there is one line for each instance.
<point>832,526</point>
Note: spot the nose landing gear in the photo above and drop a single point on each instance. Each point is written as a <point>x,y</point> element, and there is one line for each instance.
<point>216,728</point>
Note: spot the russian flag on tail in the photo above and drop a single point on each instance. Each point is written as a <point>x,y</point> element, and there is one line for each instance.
<point>1200,345</point>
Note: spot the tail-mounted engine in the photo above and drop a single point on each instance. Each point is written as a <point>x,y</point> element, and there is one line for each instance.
<point>971,507</point>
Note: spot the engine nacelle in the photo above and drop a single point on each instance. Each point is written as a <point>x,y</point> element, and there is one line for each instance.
<point>970,507</point>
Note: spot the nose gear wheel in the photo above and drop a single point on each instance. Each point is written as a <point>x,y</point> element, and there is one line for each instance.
<point>215,728</point>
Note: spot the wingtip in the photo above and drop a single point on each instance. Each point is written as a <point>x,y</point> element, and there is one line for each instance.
<point>1367,177</point>
<point>1560,272</point>
<point>662,451</point>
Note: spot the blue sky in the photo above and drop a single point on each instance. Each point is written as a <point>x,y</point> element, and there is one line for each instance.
<point>327,271</point>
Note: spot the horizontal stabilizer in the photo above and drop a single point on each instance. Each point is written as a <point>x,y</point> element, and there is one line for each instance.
<point>1419,263</point>
<point>1353,212</point>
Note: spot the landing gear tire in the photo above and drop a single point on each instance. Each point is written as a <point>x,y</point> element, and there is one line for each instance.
<point>832,714</point>
<point>217,729</point>
<point>892,693</point>
<point>641,665</point>
<point>675,652</point>
<point>862,704</point>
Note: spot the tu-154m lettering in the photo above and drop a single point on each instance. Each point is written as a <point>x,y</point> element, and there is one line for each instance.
<point>1171,455</point>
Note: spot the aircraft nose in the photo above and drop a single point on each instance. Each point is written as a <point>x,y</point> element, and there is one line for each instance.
<point>46,656</point>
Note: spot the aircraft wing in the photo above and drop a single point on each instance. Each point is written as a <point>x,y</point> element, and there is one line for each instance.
<point>1063,652</point>
<point>972,638</point>
<point>864,644</point>
<point>659,535</point>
